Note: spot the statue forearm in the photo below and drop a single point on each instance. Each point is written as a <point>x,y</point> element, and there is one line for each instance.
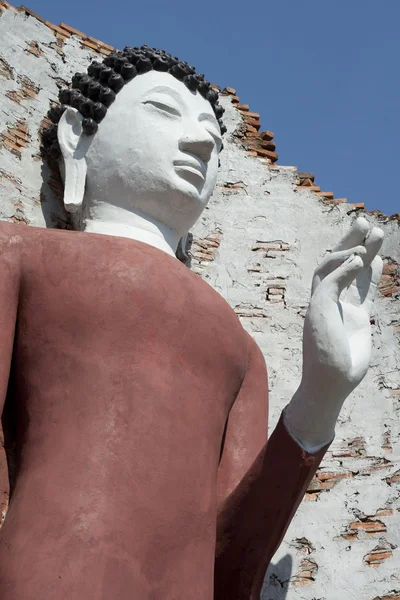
<point>255,517</point>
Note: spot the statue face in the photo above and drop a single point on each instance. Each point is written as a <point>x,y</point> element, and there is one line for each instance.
<point>156,151</point>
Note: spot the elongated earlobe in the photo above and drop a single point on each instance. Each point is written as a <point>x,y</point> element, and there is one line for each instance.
<point>74,145</point>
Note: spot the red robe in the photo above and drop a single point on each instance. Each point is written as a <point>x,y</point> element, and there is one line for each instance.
<point>137,407</point>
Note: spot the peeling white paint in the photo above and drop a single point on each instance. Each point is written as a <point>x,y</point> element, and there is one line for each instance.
<point>268,207</point>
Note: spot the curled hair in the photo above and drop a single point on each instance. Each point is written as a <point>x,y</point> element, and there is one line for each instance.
<point>92,93</point>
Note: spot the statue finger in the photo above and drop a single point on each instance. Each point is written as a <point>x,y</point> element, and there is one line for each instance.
<point>355,236</point>
<point>359,290</point>
<point>343,276</point>
<point>373,244</point>
<point>333,261</point>
<point>375,275</point>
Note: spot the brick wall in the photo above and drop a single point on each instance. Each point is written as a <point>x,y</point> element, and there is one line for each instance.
<point>277,224</point>
<point>257,244</point>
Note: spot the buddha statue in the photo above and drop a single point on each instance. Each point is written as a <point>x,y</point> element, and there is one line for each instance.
<point>136,401</point>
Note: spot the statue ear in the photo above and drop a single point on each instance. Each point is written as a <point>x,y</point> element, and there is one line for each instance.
<point>74,145</point>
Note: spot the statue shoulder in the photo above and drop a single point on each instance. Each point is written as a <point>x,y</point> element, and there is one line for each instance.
<point>10,231</point>
<point>12,240</point>
<point>12,236</point>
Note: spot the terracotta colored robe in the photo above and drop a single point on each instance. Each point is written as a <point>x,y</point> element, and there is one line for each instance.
<point>137,407</point>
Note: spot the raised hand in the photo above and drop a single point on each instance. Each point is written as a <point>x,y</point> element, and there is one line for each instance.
<point>337,334</point>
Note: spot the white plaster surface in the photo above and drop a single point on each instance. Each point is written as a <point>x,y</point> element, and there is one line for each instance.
<point>267,208</point>
<point>270,208</point>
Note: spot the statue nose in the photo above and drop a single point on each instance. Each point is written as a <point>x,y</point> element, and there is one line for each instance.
<point>201,147</point>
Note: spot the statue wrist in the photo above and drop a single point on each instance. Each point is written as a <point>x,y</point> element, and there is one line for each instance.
<point>311,415</point>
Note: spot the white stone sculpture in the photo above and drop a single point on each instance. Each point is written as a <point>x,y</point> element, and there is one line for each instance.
<point>142,402</point>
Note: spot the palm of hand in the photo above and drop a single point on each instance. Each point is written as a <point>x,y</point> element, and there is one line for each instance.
<point>337,331</point>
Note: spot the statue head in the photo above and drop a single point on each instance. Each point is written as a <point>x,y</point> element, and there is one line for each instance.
<point>141,131</point>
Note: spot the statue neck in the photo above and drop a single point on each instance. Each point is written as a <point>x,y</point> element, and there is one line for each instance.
<point>108,219</point>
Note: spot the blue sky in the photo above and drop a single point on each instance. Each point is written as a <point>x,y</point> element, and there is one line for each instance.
<point>323,75</point>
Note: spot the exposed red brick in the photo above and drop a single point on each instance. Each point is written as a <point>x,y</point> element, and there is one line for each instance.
<point>266,246</point>
<point>390,291</point>
<point>238,185</point>
<point>205,249</point>
<point>267,135</point>
<point>268,145</point>
<point>72,30</point>
<point>251,131</point>
<point>89,44</point>
<point>305,175</point>
<point>303,545</point>
<point>393,479</point>
<point>217,235</point>
<point>273,157</point>
<point>325,481</point>
<point>9,6</point>
<point>253,123</point>
<point>390,280</point>
<point>230,91</point>
<point>328,195</point>
<point>307,573</point>
<point>99,43</point>
<point>369,527</point>
<point>14,139</point>
<point>12,147</point>
<point>243,107</point>
<point>390,268</point>
<point>31,13</point>
<point>249,311</point>
<point>34,48</point>
<point>310,188</point>
<point>252,115</point>
<point>61,37</point>
<point>326,476</point>
<point>57,29</point>
<point>28,90</point>
<point>379,554</point>
<point>235,99</point>
<point>6,70</point>
<point>384,512</point>
<point>335,201</point>
<point>12,179</point>
<point>349,448</point>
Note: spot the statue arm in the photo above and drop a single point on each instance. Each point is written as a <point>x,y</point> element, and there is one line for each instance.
<point>247,426</point>
<point>261,499</point>
<point>260,486</point>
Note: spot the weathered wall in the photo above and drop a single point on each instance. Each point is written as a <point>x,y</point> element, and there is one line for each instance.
<point>257,244</point>
<point>269,235</point>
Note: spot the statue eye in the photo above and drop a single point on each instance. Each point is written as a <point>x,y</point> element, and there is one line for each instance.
<point>163,106</point>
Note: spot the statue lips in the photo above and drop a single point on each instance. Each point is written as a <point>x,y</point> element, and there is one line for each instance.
<point>193,166</point>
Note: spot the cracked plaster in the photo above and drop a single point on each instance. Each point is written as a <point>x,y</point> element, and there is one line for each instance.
<point>266,207</point>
